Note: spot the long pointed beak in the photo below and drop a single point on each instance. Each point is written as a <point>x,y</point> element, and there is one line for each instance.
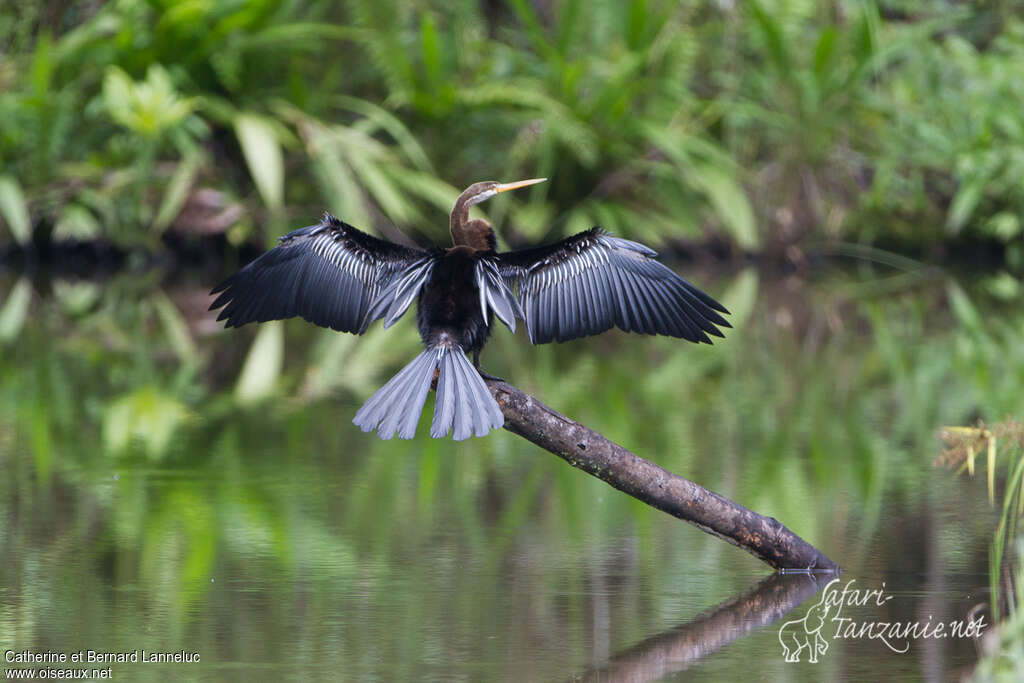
<point>505,187</point>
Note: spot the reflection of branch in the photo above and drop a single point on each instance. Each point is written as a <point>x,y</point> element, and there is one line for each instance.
<point>763,537</point>
<point>676,649</point>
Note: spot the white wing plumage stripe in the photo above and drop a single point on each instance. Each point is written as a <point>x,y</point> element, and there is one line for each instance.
<point>495,294</point>
<point>331,274</point>
<point>591,282</point>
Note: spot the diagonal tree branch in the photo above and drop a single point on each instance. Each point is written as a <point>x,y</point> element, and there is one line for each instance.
<point>763,537</point>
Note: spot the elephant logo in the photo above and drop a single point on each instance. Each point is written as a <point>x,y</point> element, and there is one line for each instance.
<point>805,634</point>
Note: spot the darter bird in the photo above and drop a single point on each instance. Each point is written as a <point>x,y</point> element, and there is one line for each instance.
<point>336,276</point>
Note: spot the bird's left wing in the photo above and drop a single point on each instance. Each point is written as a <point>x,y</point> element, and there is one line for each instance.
<point>331,274</point>
<point>592,281</point>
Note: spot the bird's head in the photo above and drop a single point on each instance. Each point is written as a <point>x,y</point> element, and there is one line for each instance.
<point>477,233</point>
<point>478,192</point>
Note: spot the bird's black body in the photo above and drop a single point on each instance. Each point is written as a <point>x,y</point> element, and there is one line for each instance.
<point>336,276</point>
<point>449,303</point>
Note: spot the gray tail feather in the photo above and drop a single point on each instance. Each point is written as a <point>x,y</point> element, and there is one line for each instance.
<point>463,400</point>
<point>464,403</point>
<point>397,405</point>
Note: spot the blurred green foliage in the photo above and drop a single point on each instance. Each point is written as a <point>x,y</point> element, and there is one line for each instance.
<point>766,123</point>
<point>170,456</point>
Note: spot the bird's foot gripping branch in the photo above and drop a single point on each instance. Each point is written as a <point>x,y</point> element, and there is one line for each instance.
<point>764,537</point>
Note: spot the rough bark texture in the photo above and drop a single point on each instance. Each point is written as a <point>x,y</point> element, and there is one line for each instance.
<point>764,537</point>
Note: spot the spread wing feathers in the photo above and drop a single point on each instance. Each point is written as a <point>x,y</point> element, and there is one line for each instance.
<point>496,295</point>
<point>331,274</point>
<point>592,281</point>
<point>464,404</point>
<point>396,298</point>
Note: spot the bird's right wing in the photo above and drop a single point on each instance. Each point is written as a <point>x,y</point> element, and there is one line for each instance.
<point>591,282</point>
<point>331,274</point>
<point>495,293</point>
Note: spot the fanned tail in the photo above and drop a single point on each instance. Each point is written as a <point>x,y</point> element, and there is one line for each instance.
<point>397,405</point>
<point>464,404</point>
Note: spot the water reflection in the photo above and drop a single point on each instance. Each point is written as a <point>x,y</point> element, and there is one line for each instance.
<point>678,648</point>
<point>145,503</point>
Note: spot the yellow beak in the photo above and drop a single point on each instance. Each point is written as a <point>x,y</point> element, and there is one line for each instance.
<point>504,187</point>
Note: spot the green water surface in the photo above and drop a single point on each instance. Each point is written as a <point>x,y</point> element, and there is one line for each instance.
<point>167,486</point>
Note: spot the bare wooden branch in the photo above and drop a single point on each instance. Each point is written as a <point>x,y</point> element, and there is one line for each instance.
<point>763,537</point>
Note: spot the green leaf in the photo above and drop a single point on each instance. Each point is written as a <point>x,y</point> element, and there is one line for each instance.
<point>964,202</point>
<point>962,307</point>
<point>263,364</point>
<point>729,201</point>
<point>865,32</point>
<point>76,223</point>
<point>382,188</point>
<point>176,328</point>
<point>741,296</point>
<point>527,16</point>
<point>263,155</point>
<point>77,298</point>
<point>14,209</point>
<point>568,25</point>
<point>637,16</point>
<point>393,126</point>
<point>771,30</point>
<point>296,35</point>
<point>560,122</point>
<point>428,187</point>
<point>533,219</point>
<point>42,65</point>
<point>145,415</point>
<point>1003,286</point>
<point>335,178</point>
<point>176,192</point>
<point>824,52</point>
<point>431,51</point>
<point>148,108</point>
<point>15,310</point>
<point>1004,226</point>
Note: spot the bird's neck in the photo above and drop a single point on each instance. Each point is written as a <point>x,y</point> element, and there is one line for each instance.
<point>471,233</point>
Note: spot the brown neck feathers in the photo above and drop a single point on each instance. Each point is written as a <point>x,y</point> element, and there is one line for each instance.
<point>474,233</point>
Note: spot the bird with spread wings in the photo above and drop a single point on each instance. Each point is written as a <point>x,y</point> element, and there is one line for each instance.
<point>334,275</point>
